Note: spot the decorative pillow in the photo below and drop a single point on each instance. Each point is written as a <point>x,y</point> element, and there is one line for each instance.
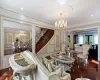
<point>50,68</point>
<point>45,62</point>
<point>41,59</point>
<point>58,71</point>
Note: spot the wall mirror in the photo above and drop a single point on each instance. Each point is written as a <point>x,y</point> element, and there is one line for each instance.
<point>16,41</point>
<point>17,37</point>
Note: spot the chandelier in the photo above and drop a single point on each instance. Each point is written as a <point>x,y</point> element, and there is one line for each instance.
<point>21,33</point>
<point>61,24</point>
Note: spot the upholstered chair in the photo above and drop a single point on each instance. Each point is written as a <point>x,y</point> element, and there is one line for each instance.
<point>85,53</point>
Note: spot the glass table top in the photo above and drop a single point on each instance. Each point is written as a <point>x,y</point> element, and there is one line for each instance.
<point>22,62</point>
<point>19,59</point>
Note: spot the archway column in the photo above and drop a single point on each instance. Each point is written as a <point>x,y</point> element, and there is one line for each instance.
<point>33,38</point>
<point>98,43</point>
<point>1,42</point>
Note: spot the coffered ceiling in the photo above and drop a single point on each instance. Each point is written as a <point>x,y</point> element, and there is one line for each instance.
<point>76,12</point>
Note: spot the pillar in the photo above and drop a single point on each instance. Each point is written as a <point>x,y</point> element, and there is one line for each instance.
<point>1,42</point>
<point>33,38</point>
<point>99,43</point>
<point>63,43</point>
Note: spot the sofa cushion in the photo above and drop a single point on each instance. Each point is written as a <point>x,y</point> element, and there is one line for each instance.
<point>45,62</point>
<point>58,71</point>
<point>41,59</point>
<point>50,68</point>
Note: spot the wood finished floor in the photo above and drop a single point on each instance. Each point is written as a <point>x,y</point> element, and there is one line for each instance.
<point>91,71</point>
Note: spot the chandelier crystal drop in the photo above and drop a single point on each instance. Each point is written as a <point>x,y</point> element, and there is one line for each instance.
<point>61,24</point>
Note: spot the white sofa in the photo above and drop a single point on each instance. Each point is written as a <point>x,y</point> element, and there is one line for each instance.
<point>42,73</point>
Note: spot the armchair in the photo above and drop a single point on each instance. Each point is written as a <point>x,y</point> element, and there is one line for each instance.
<point>78,48</point>
<point>85,53</point>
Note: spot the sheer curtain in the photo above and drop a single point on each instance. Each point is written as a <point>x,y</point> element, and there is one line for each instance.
<point>80,39</point>
<point>96,39</point>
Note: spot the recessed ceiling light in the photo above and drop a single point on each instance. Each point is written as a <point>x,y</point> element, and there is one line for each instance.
<point>62,1</point>
<point>21,8</point>
<point>91,15</point>
<point>22,22</point>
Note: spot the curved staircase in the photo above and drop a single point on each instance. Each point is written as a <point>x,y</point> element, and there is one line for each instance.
<point>44,40</point>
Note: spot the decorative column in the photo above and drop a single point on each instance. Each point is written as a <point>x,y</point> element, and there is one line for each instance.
<point>57,40</point>
<point>1,42</point>
<point>63,43</point>
<point>98,43</point>
<point>33,38</point>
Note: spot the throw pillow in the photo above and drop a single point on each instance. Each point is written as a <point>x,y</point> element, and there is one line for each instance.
<point>50,68</point>
<point>58,71</point>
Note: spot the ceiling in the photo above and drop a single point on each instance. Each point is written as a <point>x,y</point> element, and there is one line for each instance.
<point>87,31</point>
<point>74,11</point>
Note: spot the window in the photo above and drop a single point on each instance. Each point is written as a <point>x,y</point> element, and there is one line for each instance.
<point>96,39</point>
<point>80,39</point>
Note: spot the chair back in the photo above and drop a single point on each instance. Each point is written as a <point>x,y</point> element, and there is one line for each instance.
<point>86,48</point>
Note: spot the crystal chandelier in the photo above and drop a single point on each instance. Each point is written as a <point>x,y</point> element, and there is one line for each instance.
<point>61,24</point>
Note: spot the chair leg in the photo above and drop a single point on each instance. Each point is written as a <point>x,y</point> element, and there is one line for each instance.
<point>78,61</point>
<point>85,62</point>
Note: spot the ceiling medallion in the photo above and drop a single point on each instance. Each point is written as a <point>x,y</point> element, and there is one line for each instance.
<point>61,24</point>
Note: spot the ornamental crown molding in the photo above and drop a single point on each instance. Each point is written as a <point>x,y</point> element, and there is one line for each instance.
<point>18,16</point>
<point>14,15</point>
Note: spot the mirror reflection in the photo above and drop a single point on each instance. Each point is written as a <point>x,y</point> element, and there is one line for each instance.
<point>16,41</point>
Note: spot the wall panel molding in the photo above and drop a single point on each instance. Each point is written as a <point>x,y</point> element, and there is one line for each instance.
<point>8,14</point>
